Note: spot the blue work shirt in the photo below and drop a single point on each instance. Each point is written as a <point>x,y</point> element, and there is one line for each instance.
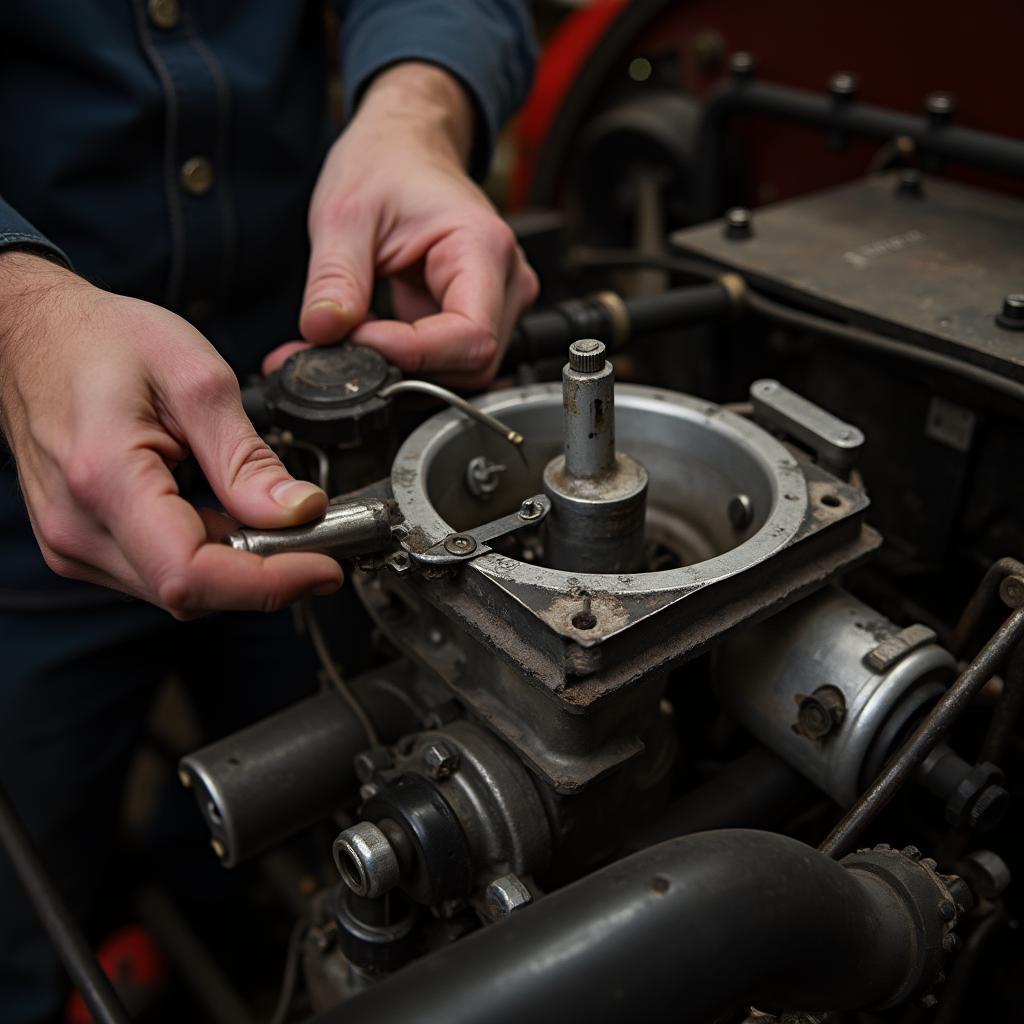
<point>167,149</point>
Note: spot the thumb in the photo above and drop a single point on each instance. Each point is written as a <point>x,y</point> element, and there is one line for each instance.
<point>340,278</point>
<point>244,472</point>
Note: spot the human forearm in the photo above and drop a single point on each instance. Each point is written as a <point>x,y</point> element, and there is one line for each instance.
<point>423,102</point>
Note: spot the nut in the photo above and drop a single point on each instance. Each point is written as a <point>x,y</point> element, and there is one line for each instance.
<point>820,713</point>
<point>440,759</point>
<point>506,894</point>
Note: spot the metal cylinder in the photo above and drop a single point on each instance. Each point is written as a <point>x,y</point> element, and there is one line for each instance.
<point>598,495</point>
<point>366,861</point>
<point>832,686</point>
<point>268,781</point>
<point>588,390</point>
<point>347,529</point>
<point>684,932</point>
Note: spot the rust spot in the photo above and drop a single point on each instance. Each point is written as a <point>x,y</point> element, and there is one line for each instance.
<point>660,884</point>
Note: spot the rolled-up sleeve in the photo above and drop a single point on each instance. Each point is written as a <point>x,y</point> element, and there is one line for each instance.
<point>18,233</point>
<point>487,44</point>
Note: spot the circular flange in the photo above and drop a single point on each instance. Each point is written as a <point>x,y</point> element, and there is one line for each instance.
<point>645,417</point>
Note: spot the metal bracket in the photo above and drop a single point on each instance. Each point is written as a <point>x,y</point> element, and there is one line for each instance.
<point>463,547</point>
<point>834,442</point>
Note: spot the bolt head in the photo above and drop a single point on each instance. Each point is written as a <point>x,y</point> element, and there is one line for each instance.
<point>843,85</point>
<point>742,64</point>
<point>1012,314</point>
<point>440,759</point>
<point>506,894</point>
<point>738,223</point>
<point>530,510</point>
<point>988,809</point>
<point>821,713</point>
<point>940,104</point>
<point>587,356</point>
<point>460,544</point>
<point>366,860</point>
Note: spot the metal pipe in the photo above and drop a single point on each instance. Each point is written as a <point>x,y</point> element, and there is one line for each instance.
<point>347,529</point>
<point>681,932</point>
<point>757,790</point>
<point>980,600</point>
<point>943,141</point>
<point>932,730</point>
<point>268,781</point>
<point>67,938</point>
<point>1007,712</point>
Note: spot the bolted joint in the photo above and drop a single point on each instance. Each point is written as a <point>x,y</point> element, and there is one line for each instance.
<point>1011,317</point>
<point>506,894</point>
<point>366,860</point>
<point>820,713</point>
<point>843,86</point>
<point>738,223</point>
<point>440,759</point>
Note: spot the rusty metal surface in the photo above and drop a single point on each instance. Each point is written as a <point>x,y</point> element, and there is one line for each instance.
<point>933,269</point>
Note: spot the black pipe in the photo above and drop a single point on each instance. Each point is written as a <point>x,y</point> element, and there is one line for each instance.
<point>757,790</point>
<point>931,137</point>
<point>264,783</point>
<point>614,320</point>
<point>67,937</point>
<point>681,932</point>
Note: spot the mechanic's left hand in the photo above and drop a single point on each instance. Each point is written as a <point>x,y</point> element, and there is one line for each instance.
<point>394,199</point>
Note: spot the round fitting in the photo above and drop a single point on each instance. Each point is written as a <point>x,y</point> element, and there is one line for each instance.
<point>587,356</point>
<point>738,223</point>
<point>1012,315</point>
<point>366,861</point>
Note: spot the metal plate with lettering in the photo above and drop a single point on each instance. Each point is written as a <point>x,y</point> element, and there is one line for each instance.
<point>932,268</point>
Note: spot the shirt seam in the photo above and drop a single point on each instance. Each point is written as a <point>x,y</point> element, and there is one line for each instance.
<point>170,152</point>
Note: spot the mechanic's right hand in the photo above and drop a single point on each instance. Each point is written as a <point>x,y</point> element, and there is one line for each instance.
<point>100,397</point>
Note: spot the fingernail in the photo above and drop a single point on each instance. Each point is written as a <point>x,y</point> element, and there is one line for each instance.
<point>328,304</point>
<point>292,494</point>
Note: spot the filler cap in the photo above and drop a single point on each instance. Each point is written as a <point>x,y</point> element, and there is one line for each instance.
<point>330,395</point>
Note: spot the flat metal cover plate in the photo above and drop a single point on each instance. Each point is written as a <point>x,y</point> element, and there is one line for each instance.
<point>933,268</point>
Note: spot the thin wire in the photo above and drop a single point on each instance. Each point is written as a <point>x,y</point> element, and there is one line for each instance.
<point>323,652</point>
<point>436,391</point>
<point>291,972</point>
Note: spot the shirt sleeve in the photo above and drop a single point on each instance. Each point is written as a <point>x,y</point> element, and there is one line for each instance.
<point>17,233</point>
<point>487,44</point>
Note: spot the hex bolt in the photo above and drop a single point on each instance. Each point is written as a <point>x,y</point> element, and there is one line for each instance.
<point>1012,315</point>
<point>742,65</point>
<point>820,713</point>
<point>460,544</point>
<point>741,511</point>
<point>368,763</point>
<point>940,106</point>
<point>507,894</point>
<point>910,184</point>
<point>587,356</point>
<point>440,759</point>
<point>986,873</point>
<point>366,860</point>
<point>738,223</point>
<point>843,86</point>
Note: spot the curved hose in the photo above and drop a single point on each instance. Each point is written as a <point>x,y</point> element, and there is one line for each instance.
<point>681,932</point>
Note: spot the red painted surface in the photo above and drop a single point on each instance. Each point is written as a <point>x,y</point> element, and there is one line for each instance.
<point>900,50</point>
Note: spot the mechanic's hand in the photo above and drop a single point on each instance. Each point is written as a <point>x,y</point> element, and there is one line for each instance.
<point>394,199</point>
<point>100,396</point>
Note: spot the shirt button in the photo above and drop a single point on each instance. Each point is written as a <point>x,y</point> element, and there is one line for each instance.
<point>164,13</point>
<point>197,175</point>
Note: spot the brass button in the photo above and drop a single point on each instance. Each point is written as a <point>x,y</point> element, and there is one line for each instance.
<point>164,13</point>
<point>197,175</point>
